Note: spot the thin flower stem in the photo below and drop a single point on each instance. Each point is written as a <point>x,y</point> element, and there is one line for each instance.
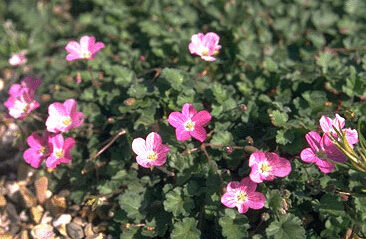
<point>203,148</point>
<point>119,134</point>
<point>164,170</point>
<point>95,84</point>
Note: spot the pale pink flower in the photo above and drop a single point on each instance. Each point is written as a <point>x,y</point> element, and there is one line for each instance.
<point>59,150</point>
<point>86,49</point>
<point>38,151</point>
<point>267,166</point>
<point>21,105</point>
<point>243,196</point>
<point>321,152</point>
<point>18,59</point>
<point>205,45</point>
<point>150,152</point>
<point>190,123</point>
<point>338,122</point>
<point>29,82</point>
<point>63,117</point>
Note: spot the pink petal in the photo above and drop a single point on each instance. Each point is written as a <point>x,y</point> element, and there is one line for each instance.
<point>281,167</point>
<point>70,106</point>
<point>232,186</point>
<point>255,175</point>
<point>339,122</point>
<point>153,141</point>
<point>314,140</point>
<point>325,166</point>
<point>57,141</point>
<point>69,144</point>
<point>160,160</point>
<point>177,119</point>
<point>96,47</point>
<point>143,161</point>
<point>77,119</point>
<point>86,41</point>
<point>242,208</point>
<point>326,124</point>
<point>31,82</point>
<point>352,136</point>
<point>182,134</point>
<point>208,58</point>
<point>35,141</point>
<point>202,118</point>
<point>249,184</point>
<point>332,152</point>
<point>198,133</point>
<point>307,155</point>
<point>74,48</point>
<point>188,111</point>
<point>228,199</point>
<point>52,162</point>
<point>256,158</point>
<point>32,157</point>
<point>73,56</point>
<point>15,90</point>
<point>138,146</point>
<point>256,200</point>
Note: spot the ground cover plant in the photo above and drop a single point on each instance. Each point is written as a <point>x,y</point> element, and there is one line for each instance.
<point>183,119</point>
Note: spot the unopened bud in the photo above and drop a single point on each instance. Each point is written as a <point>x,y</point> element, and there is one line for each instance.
<point>244,107</point>
<point>229,149</point>
<point>265,216</point>
<point>129,101</point>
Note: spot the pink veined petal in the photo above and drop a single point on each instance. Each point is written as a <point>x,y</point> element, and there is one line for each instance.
<point>326,124</point>
<point>256,157</point>
<point>160,160</point>
<point>332,152</point>
<point>73,56</point>
<point>32,157</point>
<point>177,119</point>
<point>57,141</point>
<point>77,119</point>
<point>188,111</point>
<point>143,161</point>
<point>139,146</point>
<point>339,122</point>
<point>208,58</point>
<point>163,149</point>
<point>325,166</point>
<point>153,141</point>
<point>352,136</point>
<point>15,90</point>
<point>314,140</point>
<point>192,48</point>
<point>256,200</point>
<point>52,161</point>
<point>182,134</point>
<point>255,175</point>
<point>307,155</point>
<point>249,184</point>
<point>70,106</point>
<point>34,105</point>
<point>56,110</point>
<point>31,82</point>
<point>86,41</point>
<point>281,167</point>
<point>69,143</point>
<point>198,133</point>
<point>228,199</point>
<point>96,47</point>
<point>211,38</point>
<point>202,118</point>
<point>35,141</point>
<point>74,48</point>
<point>232,186</point>
<point>243,208</point>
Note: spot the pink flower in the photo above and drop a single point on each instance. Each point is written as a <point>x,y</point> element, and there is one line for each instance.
<point>321,152</point>
<point>63,117</point>
<point>18,59</point>
<point>38,150</point>
<point>338,122</point>
<point>190,123</point>
<point>243,196</point>
<point>150,152</point>
<point>59,150</point>
<point>21,105</point>
<point>86,49</point>
<point>29,82</point>
<point>267,166</point>
<point>205,45</point>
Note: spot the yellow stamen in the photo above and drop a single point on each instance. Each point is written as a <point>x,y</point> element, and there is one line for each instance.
<point>59,153</point>
<point>241,197</point>
<point>265,167</point>
<point>42,150</point>
<point>152,156</point>
<point>189,125</point>
<point>86,55</point>
<point>67,121</point>
<point>204,52</point>
<point>26,108</point>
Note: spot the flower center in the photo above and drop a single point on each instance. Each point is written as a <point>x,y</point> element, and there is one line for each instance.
<point>204,52</point>
<point>264,167</point>
<point>215,52</point>
<point>152,156</point>
<point>26,108</point>
<point>66,121</point>
<point>42,150</point>
<point>321,154</point>
<point>241,196</point>
<point>59,153</point>
<point>86,55</point>
<point>189,125</point>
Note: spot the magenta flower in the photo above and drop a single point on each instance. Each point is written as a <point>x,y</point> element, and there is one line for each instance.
<point>338,122</point>
<point>86,49</point>
<point>321,152</point>
<point>59,150</point>
<point>243,196</point>
<point>21,105</point>
<point>190,123</point>
<point>18,59</point>
<point>38,151</point>
<point>205,45</point>
<point>150,152</point>
<point>267,166</point>
<point>63,117</point>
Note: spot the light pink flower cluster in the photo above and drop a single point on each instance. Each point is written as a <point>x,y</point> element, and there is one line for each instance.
<point>265,166</point>
<point>205,45</point>
<point>18,59</point>
<point>86,49</point>
<point>21,101</point>
<point>322,151</point>
<point>53,147</point>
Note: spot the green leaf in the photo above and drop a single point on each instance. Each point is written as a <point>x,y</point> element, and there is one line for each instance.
<point>222,138</point>
<point>174,77</point>
<point>278,118</point>
<point>331,204</point>
<point>177,203</point>
<point>187,228</point>
<point>234,228</point>
<point>130,201</point>
<point>287,227</point>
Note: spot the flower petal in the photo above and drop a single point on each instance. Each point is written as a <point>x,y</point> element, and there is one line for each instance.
<point>256,200</point>
<point>139,146</point>
<point>198,133</point>
<point>188,111</point>
<point>202,118</point>
<point>228,199</point>
<point>182,134</point>
<point>248,184</point>
<point>307,155</point>
<point>314,140</point>
<point>281,167</point>
<point>153,141</point>
<point>242,208</point>
<point>256,158</point>
<point>177,119</point>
